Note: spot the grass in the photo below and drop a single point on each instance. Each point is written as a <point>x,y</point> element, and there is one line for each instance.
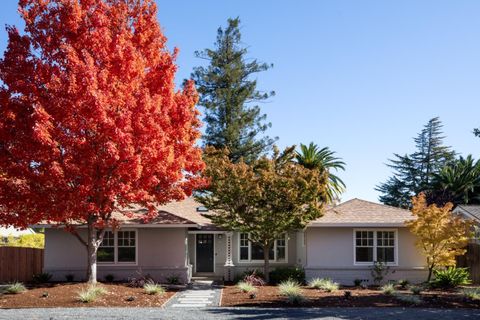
<point>291,289</point>
<point>245,287</point>
<point>15,287</point>
<point>323,284</point>
<point>471,293</point>
<point>153,288</point>
<point>416,290</point>
<point>410,299</point>
<point>388,289</point>
<point>91,293</point>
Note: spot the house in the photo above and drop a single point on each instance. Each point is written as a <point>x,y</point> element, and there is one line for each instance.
<point>181,242</point>
<point>9,231</point>
<point>472,212</point>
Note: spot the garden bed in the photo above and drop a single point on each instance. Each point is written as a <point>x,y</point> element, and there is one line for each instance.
<point>65,295</point>
<point>268,296</point>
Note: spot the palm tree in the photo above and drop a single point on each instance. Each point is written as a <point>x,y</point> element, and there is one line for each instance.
<point>458,182</point>
<point>324,159</point>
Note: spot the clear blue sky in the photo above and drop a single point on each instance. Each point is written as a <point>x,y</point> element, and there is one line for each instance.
<point>361,77</point>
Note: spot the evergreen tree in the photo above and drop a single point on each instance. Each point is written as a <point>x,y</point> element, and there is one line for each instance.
<point>228,95</point>
<point>414,173</point>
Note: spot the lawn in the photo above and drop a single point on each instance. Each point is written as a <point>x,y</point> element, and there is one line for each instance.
<point>66,295</point>
<point>269,296</point>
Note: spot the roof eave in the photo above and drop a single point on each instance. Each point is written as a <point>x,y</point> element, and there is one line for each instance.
<point>173,225</point>
<point>358,224</point>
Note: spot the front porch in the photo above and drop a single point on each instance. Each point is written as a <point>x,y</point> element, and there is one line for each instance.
<point>210,255</point>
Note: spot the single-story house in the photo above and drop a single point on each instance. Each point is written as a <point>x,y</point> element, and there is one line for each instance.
<point>181,242</point>
<point>10,231</point>
<point>472,212</point>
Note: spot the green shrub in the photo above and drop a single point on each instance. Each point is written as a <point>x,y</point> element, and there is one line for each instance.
<point>247,273</point>
<point>152,288</point>
<point>245,286</point>
<point>403,283</point>
<point>43,277</point>
<point>15,287</point>
<point>91,293</point>
<point>282,274</point>
<point>471,293</point>
<point>357,282</point>
<point>323,284</point>
<point>450,277</point>
<point>410,299</point>
<point>173,279</point>
<point>388,289</point>
<point>109,277</point>
<point>416,290</point>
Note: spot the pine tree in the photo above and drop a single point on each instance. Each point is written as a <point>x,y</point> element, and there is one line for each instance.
<point>414,173</point>
<point>228,94</point>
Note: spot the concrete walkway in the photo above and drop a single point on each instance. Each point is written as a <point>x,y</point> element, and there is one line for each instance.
<point>200,294</point>
<point>239,313</point>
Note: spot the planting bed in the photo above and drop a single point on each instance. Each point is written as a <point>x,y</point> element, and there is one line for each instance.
<point>268,296</point>
<point>65,295</point>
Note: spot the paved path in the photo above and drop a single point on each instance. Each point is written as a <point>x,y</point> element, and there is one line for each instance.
<point>239,313</point>
<point>200,294</point>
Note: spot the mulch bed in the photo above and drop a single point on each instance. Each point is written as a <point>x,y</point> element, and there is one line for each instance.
<point>65,295</point>
<point>268,296</point>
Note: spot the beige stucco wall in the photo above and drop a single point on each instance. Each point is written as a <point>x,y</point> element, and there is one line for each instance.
<point>330,254</point>
<point>161,253</point>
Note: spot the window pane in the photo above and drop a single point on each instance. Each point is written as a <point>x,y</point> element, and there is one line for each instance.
<point>126,254</point>
<point>280,253</point>
<point>126,238</point>
<point>244,253</point>
<point>257,252</point>
<point>107,239</point>
<point>364,254</point>
<point>105,254</point>
<point>385,254</point>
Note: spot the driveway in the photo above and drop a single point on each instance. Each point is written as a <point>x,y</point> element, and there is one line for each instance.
<point>239,313</point>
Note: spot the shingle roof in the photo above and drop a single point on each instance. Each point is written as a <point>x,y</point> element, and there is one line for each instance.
<point>472,209</point>
<point>358,212</point>
<point>187,209</point>
<point>133,215</point>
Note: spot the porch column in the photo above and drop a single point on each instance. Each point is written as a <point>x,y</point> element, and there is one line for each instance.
<point>228,276</point>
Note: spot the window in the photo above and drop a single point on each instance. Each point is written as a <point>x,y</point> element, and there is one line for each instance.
<point>373,246</point>
<point>281,246</point>
<point>244,244</point>
<point>126,246</point>
<point>249,251</point>
<point>118,247</point>
<point>386,246</point>
<point>106,250</point>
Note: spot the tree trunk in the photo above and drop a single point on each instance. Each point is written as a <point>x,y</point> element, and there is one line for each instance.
<point>430,270</point>
<point>266,262</point>
<point>92,247</point>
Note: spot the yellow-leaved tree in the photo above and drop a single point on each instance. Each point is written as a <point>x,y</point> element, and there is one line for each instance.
<point>441,235</point>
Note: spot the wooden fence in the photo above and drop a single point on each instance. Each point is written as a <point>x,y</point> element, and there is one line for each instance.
<point>20,264</point>
<point>471,260</point>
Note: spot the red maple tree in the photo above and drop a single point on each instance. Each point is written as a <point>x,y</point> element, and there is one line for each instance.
<point>90,120</point>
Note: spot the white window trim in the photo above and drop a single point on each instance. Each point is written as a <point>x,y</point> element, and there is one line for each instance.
<point>395,248</point>
<point>115,250</point>
<point>274,261</point>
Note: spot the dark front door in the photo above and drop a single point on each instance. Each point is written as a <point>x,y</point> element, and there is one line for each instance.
<point>204,252</point>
